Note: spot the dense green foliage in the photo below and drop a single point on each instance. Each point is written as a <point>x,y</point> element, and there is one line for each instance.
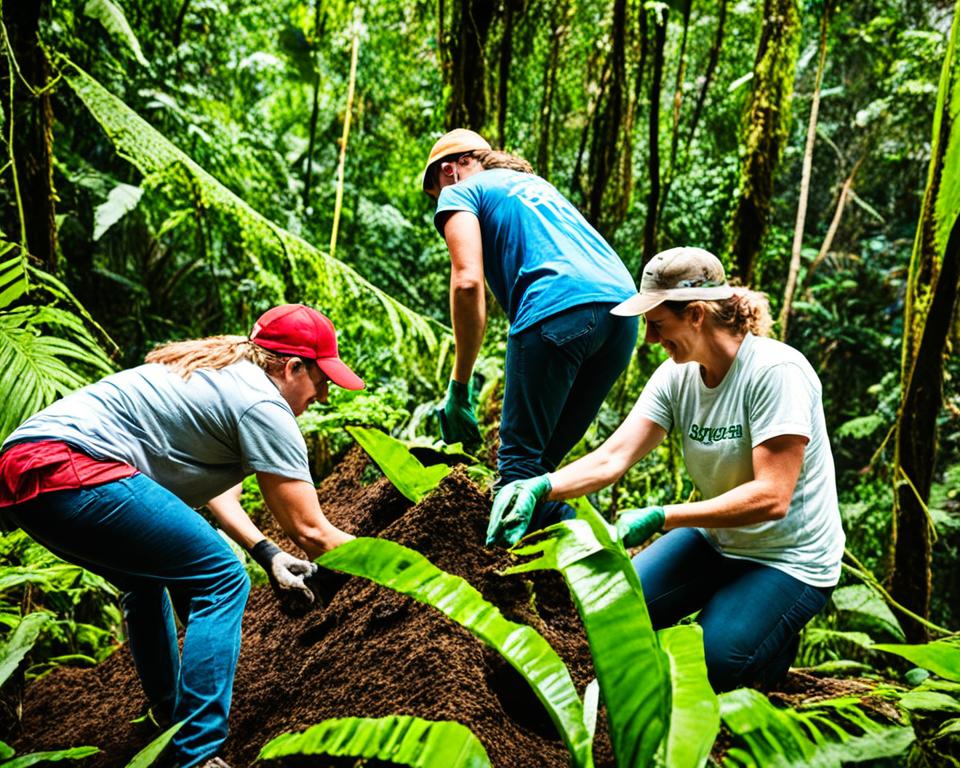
<point>169,169</point>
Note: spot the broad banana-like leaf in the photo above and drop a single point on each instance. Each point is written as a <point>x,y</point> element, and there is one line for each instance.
<point>21,640</point>
<point>122,199</point>
<point>942,657</point>
<point>149,754</point>
<point>398,739</point>
<point>694,710</point>
<point>113,20</point>
<point>38,758</point>
<point>631,667</point>
<point>36,368</point>
<point>401,467</point>
<point>274,254</point>
<point>13,273</point>
<point>410,573</point>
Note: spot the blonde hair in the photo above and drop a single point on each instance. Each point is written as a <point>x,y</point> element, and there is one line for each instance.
<point>495,158</point>
<point>745,311</point>
<point>215,352</point>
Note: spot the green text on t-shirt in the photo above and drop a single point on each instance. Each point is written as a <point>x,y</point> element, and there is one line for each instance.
<point>715,434</point>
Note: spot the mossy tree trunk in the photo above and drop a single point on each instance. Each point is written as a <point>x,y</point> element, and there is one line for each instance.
<point>463,37</point>
<point>653,138</point>
<point>31,120</point>
<point>766,128</point>
<point>931,302</point>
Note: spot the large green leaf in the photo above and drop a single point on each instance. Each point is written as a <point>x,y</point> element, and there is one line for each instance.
<point>21,640</point>
<point>54,756</point>
<point>942,657</point>
<point>631,667</point>
<point>400,466</point>
<point>695,710</point>
<point>410,573</point>
<point>13,273</point>
<point>37,367</point>
<point>864,604</point>
<point>399,739</point>
<point>113,20</point>
<point>148,755</point>
<point>279,260</point>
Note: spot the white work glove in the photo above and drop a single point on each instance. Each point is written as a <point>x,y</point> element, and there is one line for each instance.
<point>287,575</point>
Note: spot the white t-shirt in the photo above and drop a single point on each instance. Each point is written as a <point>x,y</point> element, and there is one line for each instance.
<point>196,437</point>
<point>770,390</point>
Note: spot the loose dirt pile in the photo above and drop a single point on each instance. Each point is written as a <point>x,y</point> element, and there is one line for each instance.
<point>370,652</point>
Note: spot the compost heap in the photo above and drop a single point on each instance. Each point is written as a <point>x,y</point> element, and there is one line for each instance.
<point>369,653</point>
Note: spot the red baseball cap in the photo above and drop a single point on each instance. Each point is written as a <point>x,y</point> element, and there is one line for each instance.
<point>295,329</point>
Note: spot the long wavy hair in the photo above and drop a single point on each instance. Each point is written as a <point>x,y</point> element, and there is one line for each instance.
<point>215,352</point>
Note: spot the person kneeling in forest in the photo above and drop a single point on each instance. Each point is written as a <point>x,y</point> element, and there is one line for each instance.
<point>557,280</point>
<point>109,478</point>
<point>759,556</point>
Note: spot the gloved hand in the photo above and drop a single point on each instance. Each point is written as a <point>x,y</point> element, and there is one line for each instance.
<point>635,526</point>
<point>458,423</point>
<point>288,577</point>
<point>512,509</point>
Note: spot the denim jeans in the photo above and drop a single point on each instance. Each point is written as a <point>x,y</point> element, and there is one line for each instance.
<point>558,373</point>
<point>146,541</point>
<point>751,614</point>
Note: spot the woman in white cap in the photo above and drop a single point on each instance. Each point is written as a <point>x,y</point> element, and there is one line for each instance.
<point>759,554</point>
<point>109,478</point>
<point>557,280</point>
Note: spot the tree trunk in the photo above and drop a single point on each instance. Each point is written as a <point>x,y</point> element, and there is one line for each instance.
<point>653,164</point>
<point>677,103</point>
<point>559,27</point>
<point>503,71</point>
<point>713,59</point>
<point>930,308</point>
<point>315,109</point>
<point>463,44</point>
<point>606,140</point>
<point>31,121</point>
<point>765,131</point>
<point>794,268</point>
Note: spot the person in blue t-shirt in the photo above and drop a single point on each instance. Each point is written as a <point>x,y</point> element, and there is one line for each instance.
<point>557,280</point>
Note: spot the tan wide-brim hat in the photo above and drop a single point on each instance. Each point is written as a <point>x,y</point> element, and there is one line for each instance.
<point>457,140</point>
<point>678,274</point>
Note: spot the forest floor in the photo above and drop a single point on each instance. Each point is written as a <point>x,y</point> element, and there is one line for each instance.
<point>370,652</point>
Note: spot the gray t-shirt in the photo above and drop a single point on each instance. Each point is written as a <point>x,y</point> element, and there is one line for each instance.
<point>197,437</point>
<point>770,390</point>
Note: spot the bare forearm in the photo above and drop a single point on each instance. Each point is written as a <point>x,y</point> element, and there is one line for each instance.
<point>294,504</point>
<point>468,313</point>
<point>753,502</point>
<point>233,519</point>
<point>588,474</point>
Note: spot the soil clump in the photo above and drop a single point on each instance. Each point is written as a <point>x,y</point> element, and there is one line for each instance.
<point>370,652</point>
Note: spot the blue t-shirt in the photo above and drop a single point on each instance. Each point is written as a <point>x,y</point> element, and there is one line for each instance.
<point>196,437</point>
<point>540,256</point>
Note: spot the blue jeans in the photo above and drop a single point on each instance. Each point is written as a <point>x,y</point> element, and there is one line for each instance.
<point>144,540</point>
<point>558,373</point>
<point>751,614</point>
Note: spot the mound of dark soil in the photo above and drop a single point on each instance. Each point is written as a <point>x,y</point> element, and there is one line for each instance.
<point>370,652</point>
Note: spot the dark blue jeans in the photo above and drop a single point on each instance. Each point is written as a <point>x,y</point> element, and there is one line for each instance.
<point>558,373</point>
<point>144,540</point>
<point>751,614</point>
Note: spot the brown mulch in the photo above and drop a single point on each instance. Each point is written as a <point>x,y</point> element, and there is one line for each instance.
<point>370,652</point>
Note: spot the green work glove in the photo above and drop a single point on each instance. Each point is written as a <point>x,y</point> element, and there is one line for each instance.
<point>512,509</point>
<point>635,526</point>
<point>458,424</point>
